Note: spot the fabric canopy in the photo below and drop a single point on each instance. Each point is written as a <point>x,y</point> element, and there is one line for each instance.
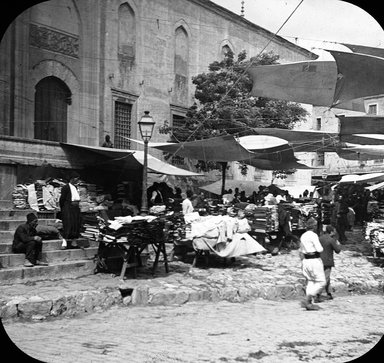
<point>221,149</point>
<point>311,82</point>
<point>304,141</point>
<point>361,125</point>
<point>377,52</point>
<point>268,153</point>
<point>359,75</point>
<point>340,84</point>
<point>375,186</point>
<point>133,159</point>
<point>377,150</point>
<point>365,178</point>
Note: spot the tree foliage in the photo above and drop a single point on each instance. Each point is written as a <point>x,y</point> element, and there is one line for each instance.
<point>224,104</point>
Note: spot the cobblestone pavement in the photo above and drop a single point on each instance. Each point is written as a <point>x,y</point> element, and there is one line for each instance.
<point>254,331</point>
<point>261,276</point>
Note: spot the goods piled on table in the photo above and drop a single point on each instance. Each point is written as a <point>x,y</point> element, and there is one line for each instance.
<point>326,210</point>
<point>40,195</point>
<point>374,233</point>
<point>90,226</point>
<point>263,219</point>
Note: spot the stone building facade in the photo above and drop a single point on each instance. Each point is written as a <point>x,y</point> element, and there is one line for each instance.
<point>329,163</point>
<point>73,71</point>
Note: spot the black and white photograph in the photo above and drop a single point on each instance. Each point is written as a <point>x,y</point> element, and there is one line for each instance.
<point>188,181</point>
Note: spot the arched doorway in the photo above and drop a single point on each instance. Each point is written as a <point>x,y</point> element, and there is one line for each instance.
<point>52,97</point>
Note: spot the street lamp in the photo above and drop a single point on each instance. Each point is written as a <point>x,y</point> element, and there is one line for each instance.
<point>146,125</point>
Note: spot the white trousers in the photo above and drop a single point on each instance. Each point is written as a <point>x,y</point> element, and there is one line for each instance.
<point>313,270</point>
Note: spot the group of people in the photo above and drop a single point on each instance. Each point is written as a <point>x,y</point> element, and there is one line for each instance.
<point>28,236</point>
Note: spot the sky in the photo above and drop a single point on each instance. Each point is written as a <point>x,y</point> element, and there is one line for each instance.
<point>315,24</point>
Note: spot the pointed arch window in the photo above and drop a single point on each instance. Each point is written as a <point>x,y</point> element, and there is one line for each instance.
<point>181,60</point>
<point>126,36</point>
<point>52,98</point>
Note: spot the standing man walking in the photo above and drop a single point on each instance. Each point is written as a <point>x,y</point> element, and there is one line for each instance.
<point>312,265</point>
<point>341,209</point>
<point>330,245</point>
<point>70,210</point>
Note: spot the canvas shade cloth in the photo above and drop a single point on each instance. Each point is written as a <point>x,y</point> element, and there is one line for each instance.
<point>375,186</point>
<point>361,126</point>
<point>267,154</point>
<point>372,150</point>
<point>340,84</point>
<point>304,141</point>
<point>133,159</point>
<point>310,82</point>
<point>377,52</point>
<point>365,178</point>
<point>220,149</point>
<point>350,154</point>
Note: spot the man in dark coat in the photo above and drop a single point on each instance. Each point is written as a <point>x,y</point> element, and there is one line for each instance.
<point>70,210</point>
<point>330,245</point>
<point>341,210</point>
<point>27,241</point>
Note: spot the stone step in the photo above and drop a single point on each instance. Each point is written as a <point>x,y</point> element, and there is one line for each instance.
<point>48,245</point>
<point>6,237</point>
<point>12,224</point>
<point>6,204</point>
<point>56,270</point>
<point>17,259</point>
<point>21,214</point>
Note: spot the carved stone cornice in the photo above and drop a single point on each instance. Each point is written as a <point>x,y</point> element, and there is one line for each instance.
<point>53,40</point>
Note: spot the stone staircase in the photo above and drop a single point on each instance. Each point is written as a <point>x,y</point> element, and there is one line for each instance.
<point>62,263</point>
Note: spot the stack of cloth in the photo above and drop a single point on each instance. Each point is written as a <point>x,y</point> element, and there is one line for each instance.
<point>326,212</point>
<point>20,197</point>
<point>87,193</point>
<point>381,209</point>
<point>177,231</point>
<point>272,218</point>
<point>264,219</point>
<point>90,226</point>
<point>39,194</point>
<point>258,219</point>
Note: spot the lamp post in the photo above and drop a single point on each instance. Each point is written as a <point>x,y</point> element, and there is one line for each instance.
<point>146,125</point>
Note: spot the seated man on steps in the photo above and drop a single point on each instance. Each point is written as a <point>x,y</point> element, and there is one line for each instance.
<point>27,241</point>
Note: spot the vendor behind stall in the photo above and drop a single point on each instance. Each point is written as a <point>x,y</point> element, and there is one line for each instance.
<point>186,205</point>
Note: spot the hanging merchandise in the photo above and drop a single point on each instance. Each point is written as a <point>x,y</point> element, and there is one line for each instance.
<point>20,196</point>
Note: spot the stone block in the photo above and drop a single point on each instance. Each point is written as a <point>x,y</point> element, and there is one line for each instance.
<point>35,305</point>
<point>127,300</point>
<point>285,291</point>
<point>229,294</point>
<point>8,311</point>
<point>140,295</point>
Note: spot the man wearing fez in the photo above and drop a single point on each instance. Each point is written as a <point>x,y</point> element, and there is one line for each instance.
<point>27,241</point>
<point>312,265</point>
